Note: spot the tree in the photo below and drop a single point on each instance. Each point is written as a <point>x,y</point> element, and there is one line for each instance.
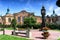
<point>29,21</point>
<point>3,29</point>
<point>13,23</point>
<point>58,3</point>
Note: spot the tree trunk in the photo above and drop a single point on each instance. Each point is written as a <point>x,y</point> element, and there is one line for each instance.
<point>28,30</point>
<point>14,31</point>
<point>3,31</point>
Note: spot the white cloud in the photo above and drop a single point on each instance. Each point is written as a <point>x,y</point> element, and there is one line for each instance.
<point>57,10</point>
<point>51,8</point>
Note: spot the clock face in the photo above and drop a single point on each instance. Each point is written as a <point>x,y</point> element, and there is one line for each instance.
<point>43,11</point>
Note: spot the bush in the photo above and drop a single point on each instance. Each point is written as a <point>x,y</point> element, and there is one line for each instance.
<point>52,26</point>
<point>21,26</point>
<point>7,26</point>
<point>37,26</point>
<point>0,24</point>
<point>58,27</point>
<point>1,29</point>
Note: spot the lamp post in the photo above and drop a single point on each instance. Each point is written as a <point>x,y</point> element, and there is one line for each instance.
<point>44,28</point>
<point>54,17</point>
<point>43,12</point>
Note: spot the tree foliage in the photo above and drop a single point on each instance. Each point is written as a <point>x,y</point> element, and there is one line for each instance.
<point>29,21</point>
<point>14,23</point>
<point>58,3</point>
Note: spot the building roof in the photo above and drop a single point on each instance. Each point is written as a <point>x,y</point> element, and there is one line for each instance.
<point>23,11</point>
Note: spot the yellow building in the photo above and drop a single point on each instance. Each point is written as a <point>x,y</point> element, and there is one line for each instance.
<point>6,19</point>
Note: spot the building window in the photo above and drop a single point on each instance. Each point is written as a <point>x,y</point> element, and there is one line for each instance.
<point>18,19</point>
<point>9,19</point>
<point>23,18</point>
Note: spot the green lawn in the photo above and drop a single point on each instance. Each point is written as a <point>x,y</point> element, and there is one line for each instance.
<point>8,37</point>
<point>59,39</point>
<point>57,30</point>
<point>10,28</point>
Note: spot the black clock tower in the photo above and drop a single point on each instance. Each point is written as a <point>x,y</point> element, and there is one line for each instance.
<point>43,12</point>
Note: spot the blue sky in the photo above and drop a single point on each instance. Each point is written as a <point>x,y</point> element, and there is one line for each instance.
<point>29,5</point>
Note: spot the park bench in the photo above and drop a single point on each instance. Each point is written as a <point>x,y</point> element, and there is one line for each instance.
<point>20,32</point>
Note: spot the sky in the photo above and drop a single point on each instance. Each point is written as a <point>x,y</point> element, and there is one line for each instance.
<point>35,6</point>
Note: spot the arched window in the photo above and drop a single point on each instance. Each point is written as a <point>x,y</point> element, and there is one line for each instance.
<point>9,19</point>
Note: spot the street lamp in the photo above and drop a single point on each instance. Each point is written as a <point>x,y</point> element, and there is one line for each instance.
<point>43,12</point>
<point>54,17</point>
<point>44,28</point>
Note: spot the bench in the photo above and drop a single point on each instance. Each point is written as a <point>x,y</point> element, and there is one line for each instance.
<point>20,32</point>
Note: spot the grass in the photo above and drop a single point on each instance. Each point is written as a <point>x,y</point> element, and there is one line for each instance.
<point>10,28</point>
<point>8,37</point>
<point>59,39</point>
<point>56,30</point>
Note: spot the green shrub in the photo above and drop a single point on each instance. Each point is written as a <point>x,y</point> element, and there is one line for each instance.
<point>7,26</point>
<point>37,26</point>
<point>0,25</point>
<point>53,26</point>
<point>1,29</point>
<point>21,26</point>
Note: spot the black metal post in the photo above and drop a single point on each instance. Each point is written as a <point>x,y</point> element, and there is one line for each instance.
<point>43,16</point>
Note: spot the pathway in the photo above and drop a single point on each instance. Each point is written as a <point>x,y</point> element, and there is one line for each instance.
<point>36,34</point>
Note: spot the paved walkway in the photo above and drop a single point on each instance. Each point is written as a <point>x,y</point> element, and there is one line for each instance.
<point>36,34</point>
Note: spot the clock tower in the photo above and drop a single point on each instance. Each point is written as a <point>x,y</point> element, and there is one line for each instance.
<point>43,12</point>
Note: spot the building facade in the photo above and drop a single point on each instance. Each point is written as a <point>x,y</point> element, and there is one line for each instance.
<point>6,19</point>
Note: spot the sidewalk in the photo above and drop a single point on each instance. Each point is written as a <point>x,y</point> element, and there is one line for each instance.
<point>36,34</point>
